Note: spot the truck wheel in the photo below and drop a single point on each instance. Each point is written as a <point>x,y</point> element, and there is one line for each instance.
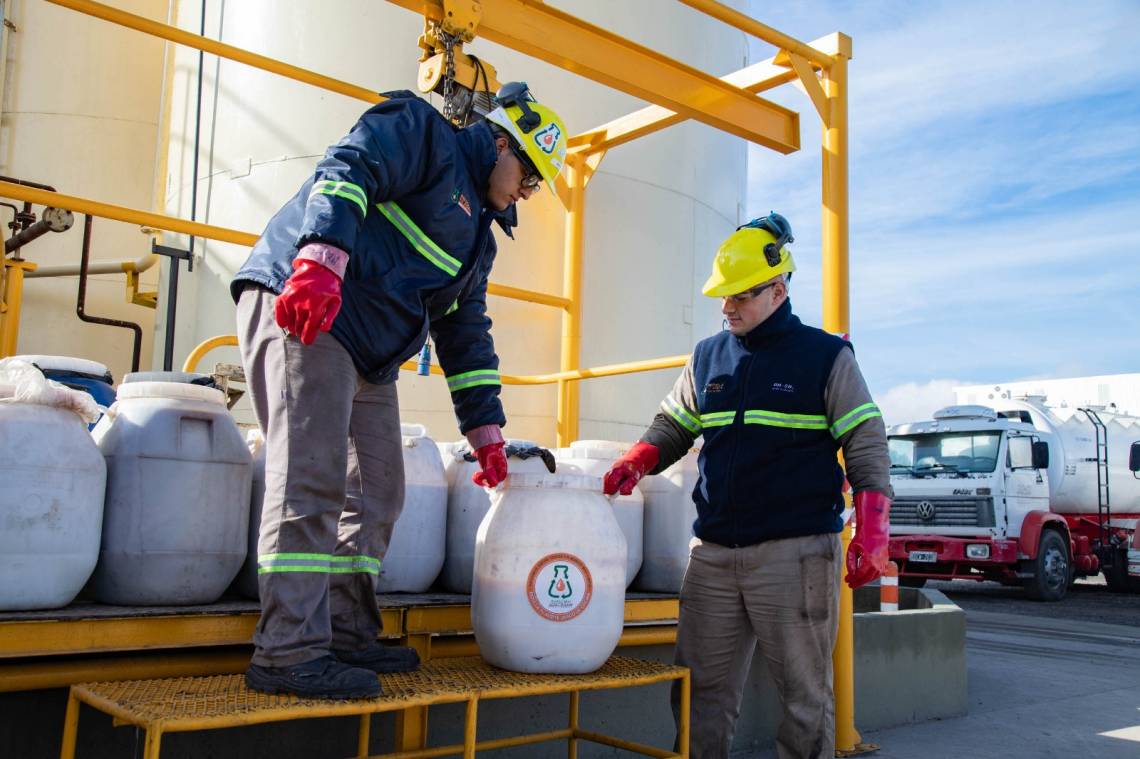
<point>1050,569</point>
<point>1117,578</point>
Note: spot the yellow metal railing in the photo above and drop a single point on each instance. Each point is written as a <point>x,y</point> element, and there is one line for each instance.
<point>677,92</point>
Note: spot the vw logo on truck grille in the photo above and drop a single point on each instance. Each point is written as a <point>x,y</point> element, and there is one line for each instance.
<point>925,511</point>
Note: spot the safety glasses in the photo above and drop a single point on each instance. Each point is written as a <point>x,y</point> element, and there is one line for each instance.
<point>747,295</point>
<point>531,178</point>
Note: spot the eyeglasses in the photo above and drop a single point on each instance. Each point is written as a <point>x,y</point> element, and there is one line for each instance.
<point>531,178</point>
<point>748,295</point>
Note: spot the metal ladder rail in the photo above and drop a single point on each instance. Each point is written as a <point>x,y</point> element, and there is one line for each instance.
<point>1104,508</point>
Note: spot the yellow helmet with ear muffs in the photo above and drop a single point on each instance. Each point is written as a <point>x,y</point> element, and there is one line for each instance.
<point>754,253</point>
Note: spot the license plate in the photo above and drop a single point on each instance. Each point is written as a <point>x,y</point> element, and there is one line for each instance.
<point>924,557</point>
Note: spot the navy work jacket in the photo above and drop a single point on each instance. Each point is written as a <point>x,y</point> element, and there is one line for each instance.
<point>403,195</point>
<point>768,466</point>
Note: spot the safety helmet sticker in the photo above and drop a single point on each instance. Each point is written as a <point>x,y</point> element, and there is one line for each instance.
<point>547,138</point>
<point>559,587</point>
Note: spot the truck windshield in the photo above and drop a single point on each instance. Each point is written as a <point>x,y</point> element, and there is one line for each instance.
<point>950,452</point>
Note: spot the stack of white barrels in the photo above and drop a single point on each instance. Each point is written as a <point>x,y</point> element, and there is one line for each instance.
<point>160,505</point>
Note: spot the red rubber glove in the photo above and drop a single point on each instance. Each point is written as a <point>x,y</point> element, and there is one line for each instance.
<point>867,556</point>
<point>492,465</point>
<point>630,468</point>
<point>310,300</point>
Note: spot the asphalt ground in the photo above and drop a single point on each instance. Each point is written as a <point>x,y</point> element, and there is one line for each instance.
<point>1045,680</point>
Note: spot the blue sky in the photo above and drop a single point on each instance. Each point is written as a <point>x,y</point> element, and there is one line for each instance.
<point>994,190</point>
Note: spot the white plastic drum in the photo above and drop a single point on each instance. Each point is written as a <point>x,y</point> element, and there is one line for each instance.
<point>549,588</point>
<point>51,505</point>
<point>176,519</point>
<point>669,516</point>
<point>246,582</point>
<point>467,504</point>
<point>594,458</point>
<point>416,548</point>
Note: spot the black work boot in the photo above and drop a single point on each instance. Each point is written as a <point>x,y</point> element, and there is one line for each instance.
<point>380,658</point>
<point>320,678</point>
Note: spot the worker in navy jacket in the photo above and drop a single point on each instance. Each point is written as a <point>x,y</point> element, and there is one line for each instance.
<point>389,242</point>
<point>774,401</point>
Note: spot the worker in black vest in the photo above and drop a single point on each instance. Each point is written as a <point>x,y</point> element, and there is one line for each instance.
<point>775,401</point>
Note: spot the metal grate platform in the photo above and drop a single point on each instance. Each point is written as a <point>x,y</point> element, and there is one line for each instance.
<point>202,703</point>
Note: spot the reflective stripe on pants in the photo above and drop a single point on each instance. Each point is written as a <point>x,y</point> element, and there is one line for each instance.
<point>334,486</point>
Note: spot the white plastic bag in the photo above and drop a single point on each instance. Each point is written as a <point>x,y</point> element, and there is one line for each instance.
<point>24,383</point>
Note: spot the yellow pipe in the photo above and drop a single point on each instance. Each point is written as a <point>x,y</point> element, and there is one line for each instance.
<point>572,291</point>
<point>13,295</point>
<point>220,49</point>
<point>530,296</point>
<point>208,231</point>
<point>746,23</point>
<point>836,309</point>
<point>836,316</point>
<point>648,365</point>
<point>124,214</point>
<point>204,347</point>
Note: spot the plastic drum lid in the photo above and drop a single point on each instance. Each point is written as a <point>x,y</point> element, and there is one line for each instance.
<point>92,369</point>
<point>554,481</point>
<point>413,430</point>
<point>171,390</point>
<point>599,450</point>
<point>189,378</point>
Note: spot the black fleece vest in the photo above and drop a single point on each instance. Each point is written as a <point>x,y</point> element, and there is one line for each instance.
<point>768,466</point>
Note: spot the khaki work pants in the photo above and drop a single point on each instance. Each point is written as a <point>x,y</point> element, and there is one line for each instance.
<point>334,487</point>
<point>780,598</point>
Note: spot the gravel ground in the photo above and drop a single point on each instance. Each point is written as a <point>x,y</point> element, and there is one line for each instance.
<point>1089,600</point>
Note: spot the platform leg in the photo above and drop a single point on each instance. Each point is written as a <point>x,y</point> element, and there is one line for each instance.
<point>362,738</point>
<point>70,727</point>
<point>572,741</point>
<point>412,723</point>
<point>153,743</point>
<point>469,728</point>
<point>683,728</point>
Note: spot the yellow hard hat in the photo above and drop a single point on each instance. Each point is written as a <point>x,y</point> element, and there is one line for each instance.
<point>537,129</point>
<point>754,253</point>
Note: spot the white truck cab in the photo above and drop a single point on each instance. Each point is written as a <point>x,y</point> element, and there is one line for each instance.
<point>965,484</point>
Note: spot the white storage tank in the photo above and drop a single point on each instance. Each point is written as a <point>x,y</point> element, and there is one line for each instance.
<point>178,496</point>
<point>467,504</point>
<point>549,589</point>
<point>416,548</point>
<point>1072,458</point>
<point>594,458</point>
<point>51,503</point>
<point>669,515</point>
<point>655,211</point>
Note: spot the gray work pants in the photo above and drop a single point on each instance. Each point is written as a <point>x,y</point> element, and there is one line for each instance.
<point>334,486</point>
<point>780,598</point>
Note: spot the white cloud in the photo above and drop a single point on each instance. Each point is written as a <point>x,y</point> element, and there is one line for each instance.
<point>913,401</point>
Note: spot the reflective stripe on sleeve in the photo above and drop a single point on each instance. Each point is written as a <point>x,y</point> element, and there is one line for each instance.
<point>346,190</point>
<point>681,415</point>
<point>426,247</point>
<point>473,379</point>
<point>853,419</point>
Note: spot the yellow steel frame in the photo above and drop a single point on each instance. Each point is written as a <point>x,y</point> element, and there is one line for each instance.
<point>677,91</point>
<point>118,647</point>
<point>209,703</point>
